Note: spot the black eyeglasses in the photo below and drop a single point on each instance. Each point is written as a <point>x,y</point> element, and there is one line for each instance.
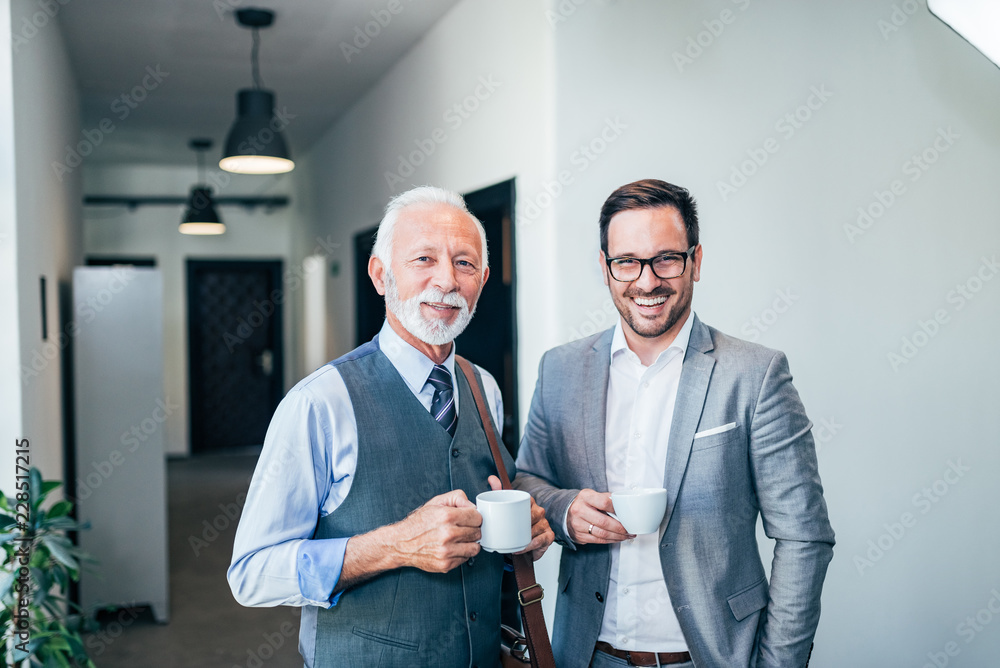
<point>664,266</point>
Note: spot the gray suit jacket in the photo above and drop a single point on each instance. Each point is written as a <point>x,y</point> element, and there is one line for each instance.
<point>716,486</point>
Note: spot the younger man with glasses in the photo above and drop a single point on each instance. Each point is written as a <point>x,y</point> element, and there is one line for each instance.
<point>663,401</point>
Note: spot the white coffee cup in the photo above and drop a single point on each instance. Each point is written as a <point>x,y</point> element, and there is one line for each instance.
<point>640,510</point>
<point>506,520</point>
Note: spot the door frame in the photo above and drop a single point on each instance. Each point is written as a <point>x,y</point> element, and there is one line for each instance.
<point>503,195</point>
<point>195,376</point>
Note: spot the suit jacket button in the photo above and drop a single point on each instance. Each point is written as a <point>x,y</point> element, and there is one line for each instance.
<point>455,453</point>
<point>600,599</point>
<point>472,616</point>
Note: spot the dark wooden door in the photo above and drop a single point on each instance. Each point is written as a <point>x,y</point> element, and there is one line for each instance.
<point>491,338</point>
<point>234,350</point>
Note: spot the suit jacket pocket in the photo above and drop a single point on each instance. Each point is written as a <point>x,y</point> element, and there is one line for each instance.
<point>749,601</point>
<point>383,639</point>
<point>721,438</point>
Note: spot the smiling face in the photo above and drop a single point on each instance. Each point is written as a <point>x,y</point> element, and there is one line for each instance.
<point>435,277</point>
<point>654,309</point>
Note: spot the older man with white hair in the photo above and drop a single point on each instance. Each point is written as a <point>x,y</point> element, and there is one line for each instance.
<point>359,508</point>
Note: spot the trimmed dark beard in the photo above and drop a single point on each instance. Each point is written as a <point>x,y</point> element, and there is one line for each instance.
<point>673,315</point>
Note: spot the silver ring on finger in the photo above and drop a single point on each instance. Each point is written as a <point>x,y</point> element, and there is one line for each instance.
<point>590,530</point>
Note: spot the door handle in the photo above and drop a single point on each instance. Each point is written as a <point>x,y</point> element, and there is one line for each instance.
<point>266,362</point>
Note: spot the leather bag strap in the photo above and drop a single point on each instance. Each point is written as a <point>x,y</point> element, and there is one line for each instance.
<point>529,592</point>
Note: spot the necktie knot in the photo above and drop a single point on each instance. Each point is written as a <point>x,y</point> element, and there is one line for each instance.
<point>440,378</point>
<point>443,403</point>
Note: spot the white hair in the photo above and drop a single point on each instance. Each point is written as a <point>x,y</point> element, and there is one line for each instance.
<point>415,197</point>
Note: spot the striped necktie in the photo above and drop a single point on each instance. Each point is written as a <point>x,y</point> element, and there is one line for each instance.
<point>443,403</point>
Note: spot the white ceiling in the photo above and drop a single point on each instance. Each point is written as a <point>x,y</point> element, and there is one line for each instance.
<point>206,58</point>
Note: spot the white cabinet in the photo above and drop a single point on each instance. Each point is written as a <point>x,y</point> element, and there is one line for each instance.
<point>120,413</point>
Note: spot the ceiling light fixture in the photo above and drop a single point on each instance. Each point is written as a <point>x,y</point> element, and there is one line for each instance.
<point>200,216</point>
<point>255,144</point>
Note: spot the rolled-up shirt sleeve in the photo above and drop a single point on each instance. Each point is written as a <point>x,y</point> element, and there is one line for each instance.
<point>304,471</point>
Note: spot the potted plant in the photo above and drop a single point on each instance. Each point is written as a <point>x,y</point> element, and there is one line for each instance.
<point>41,626</point>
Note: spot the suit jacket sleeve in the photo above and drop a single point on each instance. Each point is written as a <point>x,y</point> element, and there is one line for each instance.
<point>536,472</point>
<point>794,514</point>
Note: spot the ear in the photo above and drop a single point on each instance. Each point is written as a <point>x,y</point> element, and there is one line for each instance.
<point>604,267</point>
<point>376,271</point>
<point>696,264</point>
<point>486,275</point>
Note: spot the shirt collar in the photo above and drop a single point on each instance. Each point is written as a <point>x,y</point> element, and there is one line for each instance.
<point>680,342</point>
<point>411,364</point>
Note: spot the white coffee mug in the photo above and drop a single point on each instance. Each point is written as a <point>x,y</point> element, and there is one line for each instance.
<point>506,520</point>
<point>640,510</point>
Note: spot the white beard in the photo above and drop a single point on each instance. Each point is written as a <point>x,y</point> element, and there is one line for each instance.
<point>431,332</point>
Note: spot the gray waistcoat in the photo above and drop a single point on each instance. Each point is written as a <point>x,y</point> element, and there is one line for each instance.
<point>408,617</point>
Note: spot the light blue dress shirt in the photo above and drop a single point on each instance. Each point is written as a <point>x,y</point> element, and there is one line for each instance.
<point>304,472</point>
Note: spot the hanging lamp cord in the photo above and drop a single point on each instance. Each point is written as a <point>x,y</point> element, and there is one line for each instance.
<point>201,167</point>
<point>255,60</point>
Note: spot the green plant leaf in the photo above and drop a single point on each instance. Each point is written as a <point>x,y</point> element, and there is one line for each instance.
<point>61,550</point>
<point>48,486</point>
<point>58,524</point>
<point>36,493</point>
<point>60,509</point>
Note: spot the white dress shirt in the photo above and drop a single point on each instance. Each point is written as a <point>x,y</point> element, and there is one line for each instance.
<point>304,472</point>
<point>638,615</point>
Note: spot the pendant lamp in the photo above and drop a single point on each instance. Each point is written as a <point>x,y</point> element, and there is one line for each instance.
<point>255,144</point>
<point>200,216</point>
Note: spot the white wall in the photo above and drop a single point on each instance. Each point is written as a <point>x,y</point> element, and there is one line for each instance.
<point>47,238</point>
<point>506,134</point>
<point>152,231</point>
<point>10,348</point>
<point>891,432</point>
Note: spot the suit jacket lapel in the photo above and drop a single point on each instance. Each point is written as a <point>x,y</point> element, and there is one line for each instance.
<point>691,392</point>
<point>596,369</point>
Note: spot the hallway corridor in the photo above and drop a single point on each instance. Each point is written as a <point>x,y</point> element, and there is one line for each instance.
<point>207,628</point>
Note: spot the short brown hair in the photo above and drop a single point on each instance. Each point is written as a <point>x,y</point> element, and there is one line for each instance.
<point>650,194</point>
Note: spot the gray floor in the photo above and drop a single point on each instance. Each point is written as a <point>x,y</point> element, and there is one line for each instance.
<point>207,627</point>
